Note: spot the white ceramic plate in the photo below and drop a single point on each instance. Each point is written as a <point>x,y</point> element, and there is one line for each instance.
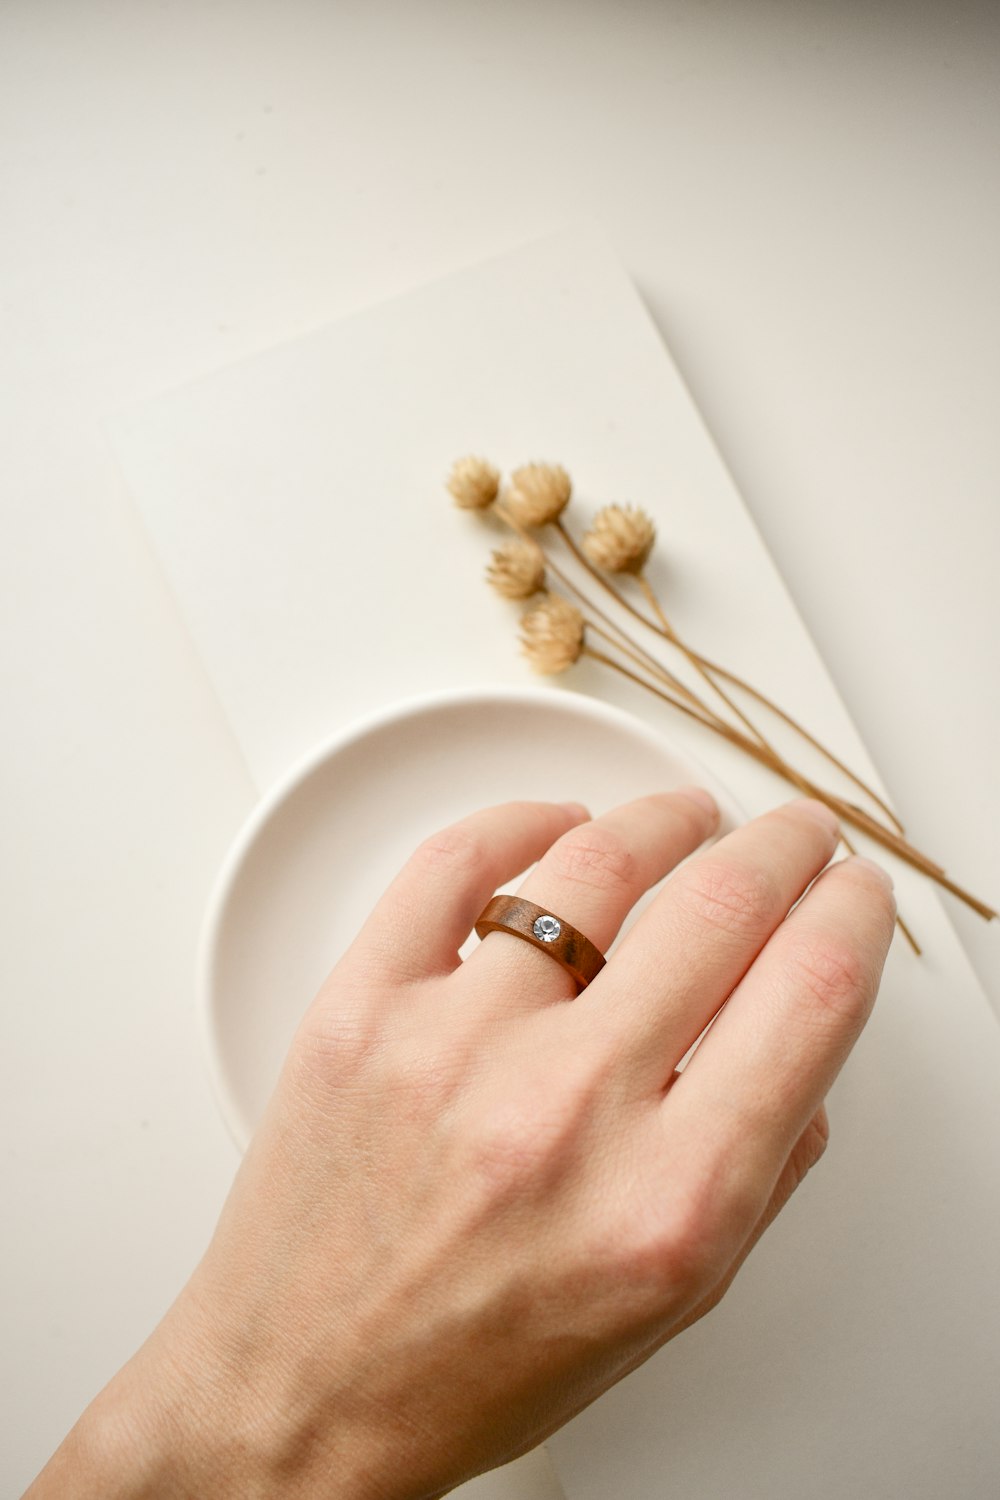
<point>323,845</point>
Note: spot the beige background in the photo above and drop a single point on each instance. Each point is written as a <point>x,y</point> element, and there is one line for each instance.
<point>804,193</point>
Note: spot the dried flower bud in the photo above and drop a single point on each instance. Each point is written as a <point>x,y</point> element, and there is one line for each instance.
<point>552,634</point>
<point>517,570</point>
<point>473,483</point>
<point>538,494</point>
<point>620,539</point>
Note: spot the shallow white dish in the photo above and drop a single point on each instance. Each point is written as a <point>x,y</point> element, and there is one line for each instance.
<point>321,846</point>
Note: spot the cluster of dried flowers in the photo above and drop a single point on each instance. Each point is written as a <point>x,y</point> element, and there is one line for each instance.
<point>556,632</point>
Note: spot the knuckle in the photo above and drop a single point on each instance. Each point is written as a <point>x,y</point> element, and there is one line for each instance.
<point>833,977</point>
<point>816,1139</point>
<point>673,1252</point>
<point>730,898</point>
<point>510,1148</point>
<point>692,1259</point>
<point>819,1131</point>
<point>454,851</point>
<point>353,1049</point>
<point>419,1080</point>
<point>806,1153</point>
<point>525,1143</point>
<point>595,858</point>
<point>338,1039</point>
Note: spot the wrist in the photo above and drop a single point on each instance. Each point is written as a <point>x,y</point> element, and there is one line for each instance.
<point>184,1420</point>
<point>117,1450</point>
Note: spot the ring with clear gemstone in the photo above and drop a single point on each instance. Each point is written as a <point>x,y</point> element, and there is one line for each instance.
<point>547,929</point>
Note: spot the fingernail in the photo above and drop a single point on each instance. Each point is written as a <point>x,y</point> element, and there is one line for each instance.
<point>859,861</point>
<point>575,809</point>
<point>700,797</point>
<point>811,807</point>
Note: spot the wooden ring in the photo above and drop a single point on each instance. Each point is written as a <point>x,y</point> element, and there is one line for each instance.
<point>544,930</point>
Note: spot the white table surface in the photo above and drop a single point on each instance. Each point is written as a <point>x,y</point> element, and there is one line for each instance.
<point>806,196</point>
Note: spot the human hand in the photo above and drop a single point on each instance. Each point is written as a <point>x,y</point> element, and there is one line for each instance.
<point>477,1200</point>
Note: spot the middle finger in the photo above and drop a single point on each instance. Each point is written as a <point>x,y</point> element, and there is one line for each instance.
<point>591,878</point>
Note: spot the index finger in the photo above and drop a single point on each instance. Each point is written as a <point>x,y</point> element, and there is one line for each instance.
<point>766,1064</point>
<point>419,923</point>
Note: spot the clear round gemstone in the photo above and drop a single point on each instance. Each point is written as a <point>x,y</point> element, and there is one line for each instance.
<point>547,928</point>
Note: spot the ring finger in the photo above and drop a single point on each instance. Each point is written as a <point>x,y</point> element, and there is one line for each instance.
<point>591,878</point>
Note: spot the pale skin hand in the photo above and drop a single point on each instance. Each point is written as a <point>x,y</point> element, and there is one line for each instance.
<point>473,1205</point>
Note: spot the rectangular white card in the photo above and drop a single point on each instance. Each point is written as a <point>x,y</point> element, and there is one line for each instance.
<point>297,503</point>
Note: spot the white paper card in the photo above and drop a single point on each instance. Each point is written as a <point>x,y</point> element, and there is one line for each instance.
<point>296,501</point>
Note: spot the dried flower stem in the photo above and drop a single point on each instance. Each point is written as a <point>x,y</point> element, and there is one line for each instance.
<point>843,809</point>
<point>649,663</point>
<point>788,771</point>
<point>720,727</point>
<point>847,810</point>
<point>857,815</point>
<point>674,639</point>
<point>709,723</point>
<point>709,670</point>
<point>747,687</point>
<point>703,662</point>
<point>757,746</point>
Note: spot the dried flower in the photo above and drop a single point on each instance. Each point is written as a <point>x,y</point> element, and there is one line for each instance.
<point>538,493</point>
<point>554,630</point>
<point>473,483</point>
<point>518,569</point>
<point>620,539</point>
<point>552,634</point>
